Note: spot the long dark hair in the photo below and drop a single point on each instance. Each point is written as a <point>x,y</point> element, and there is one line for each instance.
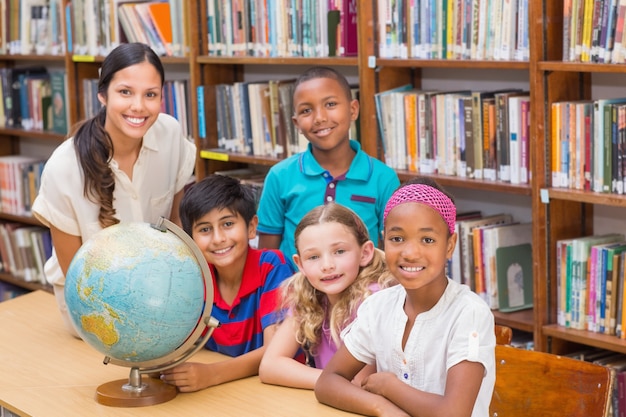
<point>94,147</point>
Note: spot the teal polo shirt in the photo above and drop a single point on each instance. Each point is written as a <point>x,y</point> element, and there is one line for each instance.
<point>297,184</point>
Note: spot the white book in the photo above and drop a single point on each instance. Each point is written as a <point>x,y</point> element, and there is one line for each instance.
<point>481,44</point>
<point>494,33</point>
<point>24,247</point>
<point>38,252</point>
<point>515,123</point>
<point>509,17</point>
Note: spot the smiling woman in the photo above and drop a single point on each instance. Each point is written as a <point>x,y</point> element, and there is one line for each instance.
<point>112,169</point>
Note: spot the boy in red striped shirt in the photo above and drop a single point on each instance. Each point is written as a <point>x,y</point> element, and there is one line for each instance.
<point>219,213</point>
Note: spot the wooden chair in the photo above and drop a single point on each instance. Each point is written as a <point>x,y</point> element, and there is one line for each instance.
<point>504,335</point>
<point>530,383</point>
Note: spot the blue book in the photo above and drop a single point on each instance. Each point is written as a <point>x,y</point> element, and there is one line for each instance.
<point>201,110</point>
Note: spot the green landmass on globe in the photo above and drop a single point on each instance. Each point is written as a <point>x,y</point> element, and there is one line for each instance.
<point>135,293</point>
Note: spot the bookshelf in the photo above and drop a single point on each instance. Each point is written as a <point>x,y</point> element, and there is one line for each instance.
<point>562,213</point>
<point>13,139</point>
<point>557,213</point>
<point>79,59</point>
<point>374,75</point>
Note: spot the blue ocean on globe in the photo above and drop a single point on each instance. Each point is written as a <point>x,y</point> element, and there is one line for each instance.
<point>135,293</point>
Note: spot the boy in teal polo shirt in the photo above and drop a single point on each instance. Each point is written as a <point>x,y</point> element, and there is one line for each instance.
<point>333,168</point>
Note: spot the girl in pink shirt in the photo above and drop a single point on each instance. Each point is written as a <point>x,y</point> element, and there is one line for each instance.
<point>338,268</point>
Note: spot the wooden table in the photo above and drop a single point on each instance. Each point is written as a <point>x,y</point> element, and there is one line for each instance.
<point>46,372</point>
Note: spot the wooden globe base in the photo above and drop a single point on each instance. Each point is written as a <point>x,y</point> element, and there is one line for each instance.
<point>155,392</point>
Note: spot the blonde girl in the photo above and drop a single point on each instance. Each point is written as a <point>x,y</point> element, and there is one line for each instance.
<point>338,268</point>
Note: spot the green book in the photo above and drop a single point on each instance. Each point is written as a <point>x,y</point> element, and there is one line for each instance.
<point>514,265</point>
<point>334,18</point>
<point>58,87</point>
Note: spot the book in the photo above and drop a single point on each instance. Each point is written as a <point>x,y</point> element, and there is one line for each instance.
<point>597,285</point>
<point>26,252</point>
<point>454,270</point>
<point>160,14</point>
<point>515,277</point>
<point>490,167</point>
<point>621,296</point>
<point>468,132</point>
<point>581,248</point>
<point>381,109</point>
<point>334,19</point>
<point>478,133</point>
<point>497,237</point>
<point>58,87</point>
<point>602,139</point>
<point>465,240</point>
<point>563,281</point>
<point>518,159</point>
<point>14,111</point>
<point>411,128</point>
<point>426,146</point>
<point>612,256</point>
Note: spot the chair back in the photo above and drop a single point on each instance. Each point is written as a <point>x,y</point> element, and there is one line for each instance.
<point>504,335</point>
<point>531,383</point>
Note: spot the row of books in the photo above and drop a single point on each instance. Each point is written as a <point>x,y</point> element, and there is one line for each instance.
<point>453,29</point>
<point>98,26</point>
<point>594,31</point>
<point>24,250</point>
<point>588,143</point>
<point>470,134</point>
<point>254,118</point>
<point>32,27</point>
<point>493,256</point>
<point>282,28</point>
<point>19,183</point>
<point>33,98</point>
<point>175,101</point>
<point>590,283</point>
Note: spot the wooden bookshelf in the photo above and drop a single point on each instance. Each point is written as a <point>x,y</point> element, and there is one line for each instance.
<point>565,213</point>
<point>556,213</point>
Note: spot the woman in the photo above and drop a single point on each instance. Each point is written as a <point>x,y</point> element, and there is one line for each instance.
<point>129,163</point>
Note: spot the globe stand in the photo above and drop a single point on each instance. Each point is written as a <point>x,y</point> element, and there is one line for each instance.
<point>137,391</point>
<point>141,392</point>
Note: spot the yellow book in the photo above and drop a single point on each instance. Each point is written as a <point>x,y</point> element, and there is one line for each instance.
<point>410,123</point>
<point>451,30</point>
<point>585,55</point>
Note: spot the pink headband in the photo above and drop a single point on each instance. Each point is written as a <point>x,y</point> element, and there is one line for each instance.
<point>424,194</point>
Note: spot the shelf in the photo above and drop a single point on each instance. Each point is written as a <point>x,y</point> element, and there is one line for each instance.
<point>32,286</point>
<point>580,67</point>
<point>250,60</point>
<point>48,58</point>
<point>601,341</point>
<point>100,59</point>
<point>220,155</point>
<point>618,200</point>
<point>39,134</point>
<point>520,320</point>
<point>453,181</point>
<point>448,63</point>
<point>20,219</point>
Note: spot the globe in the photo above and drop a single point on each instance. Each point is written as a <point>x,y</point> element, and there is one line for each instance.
<point>141,295</point>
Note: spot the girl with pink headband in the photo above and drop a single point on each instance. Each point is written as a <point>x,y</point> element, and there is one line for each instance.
<point>431,339</point>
